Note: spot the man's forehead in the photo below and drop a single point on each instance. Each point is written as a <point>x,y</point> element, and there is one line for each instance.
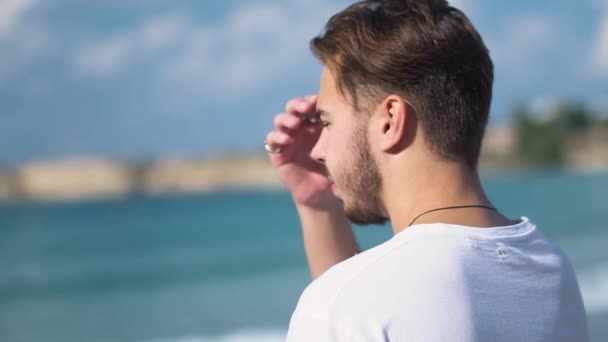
<point>326,92</point>
<point>328,86</point>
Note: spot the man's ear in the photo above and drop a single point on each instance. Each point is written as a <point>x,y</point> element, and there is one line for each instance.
<point>394,115</point>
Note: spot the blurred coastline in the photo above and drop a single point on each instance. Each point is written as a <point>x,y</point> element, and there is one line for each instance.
<point>89,178</point>
<point>566,137</point>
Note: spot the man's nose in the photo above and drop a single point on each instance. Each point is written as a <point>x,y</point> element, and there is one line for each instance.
<point>318,151</point>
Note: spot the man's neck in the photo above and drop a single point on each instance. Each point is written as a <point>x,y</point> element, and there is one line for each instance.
<point>438,185</point>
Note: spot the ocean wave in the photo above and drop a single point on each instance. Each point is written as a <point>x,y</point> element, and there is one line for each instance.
<point>594,288</point>
<point>267,335</point>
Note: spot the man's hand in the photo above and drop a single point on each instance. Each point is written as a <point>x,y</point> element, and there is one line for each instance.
<point>295,136</point>
<point>328,237</point>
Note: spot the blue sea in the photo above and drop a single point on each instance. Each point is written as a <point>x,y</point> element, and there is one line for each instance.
<point>228,266</point>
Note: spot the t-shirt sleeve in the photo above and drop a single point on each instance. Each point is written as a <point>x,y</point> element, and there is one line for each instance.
<point>306,327</point>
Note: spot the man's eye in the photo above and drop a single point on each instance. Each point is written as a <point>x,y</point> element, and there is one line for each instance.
<point>324,123</point>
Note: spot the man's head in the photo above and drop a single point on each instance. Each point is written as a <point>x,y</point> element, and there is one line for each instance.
<point>394,70</point>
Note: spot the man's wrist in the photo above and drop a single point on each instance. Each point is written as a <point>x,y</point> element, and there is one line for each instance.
<point>321,205</point>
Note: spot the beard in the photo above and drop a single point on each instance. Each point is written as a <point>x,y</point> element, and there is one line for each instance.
<point>361,184</point>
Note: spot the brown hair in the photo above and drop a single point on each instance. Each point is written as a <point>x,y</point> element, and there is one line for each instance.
<point>423,50</point>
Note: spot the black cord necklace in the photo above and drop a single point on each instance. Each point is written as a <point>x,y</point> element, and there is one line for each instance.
<point>454,207</point>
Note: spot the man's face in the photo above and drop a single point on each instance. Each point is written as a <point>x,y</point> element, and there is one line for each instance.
<point>344,149</point>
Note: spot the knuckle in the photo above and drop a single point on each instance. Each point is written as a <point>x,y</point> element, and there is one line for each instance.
<point>291,104</point>
<point>291,118</point>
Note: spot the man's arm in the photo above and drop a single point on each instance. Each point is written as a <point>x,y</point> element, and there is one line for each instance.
<point>328,237</point>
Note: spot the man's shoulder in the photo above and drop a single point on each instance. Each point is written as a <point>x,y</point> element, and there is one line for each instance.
<point>320,294</point>
<point>383,271</point>
<point>437,282</point>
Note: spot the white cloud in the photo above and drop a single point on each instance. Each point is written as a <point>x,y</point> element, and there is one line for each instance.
<point>108,57</point>
<point>523,38</point>
<point>194,59</point>
<point>544,107</point>
<point>104,58</point>
<point>23,40</point>
<point>251,46</point>
<point>599,59</point>
<point>159,32</point>
<point>11,14</point>
<point>35,41</point>
<point>598,3</point>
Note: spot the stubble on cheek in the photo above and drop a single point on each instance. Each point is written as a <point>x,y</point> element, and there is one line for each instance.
<point>362,186</point>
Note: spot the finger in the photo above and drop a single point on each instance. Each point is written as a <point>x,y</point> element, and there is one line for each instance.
<point>292,104</point>
<point>302,105</point>
<point>311,97</point>
<point>277,139</point>
<point>287,122</point>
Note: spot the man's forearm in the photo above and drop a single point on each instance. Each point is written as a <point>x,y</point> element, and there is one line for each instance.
<point>328,237</point>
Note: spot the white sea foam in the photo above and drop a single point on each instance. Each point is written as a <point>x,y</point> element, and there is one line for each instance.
<point>268,335</point>
<point>594,287</point>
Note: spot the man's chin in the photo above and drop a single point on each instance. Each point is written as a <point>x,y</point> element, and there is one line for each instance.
<point>364,218</point>
<point>367,221</point>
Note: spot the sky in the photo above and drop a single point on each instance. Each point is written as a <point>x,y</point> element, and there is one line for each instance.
<point>144,79</point>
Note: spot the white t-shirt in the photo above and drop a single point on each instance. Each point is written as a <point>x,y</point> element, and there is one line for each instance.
<point>442,282</point>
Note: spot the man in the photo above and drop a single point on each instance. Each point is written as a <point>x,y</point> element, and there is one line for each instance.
<point>403,104</point>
